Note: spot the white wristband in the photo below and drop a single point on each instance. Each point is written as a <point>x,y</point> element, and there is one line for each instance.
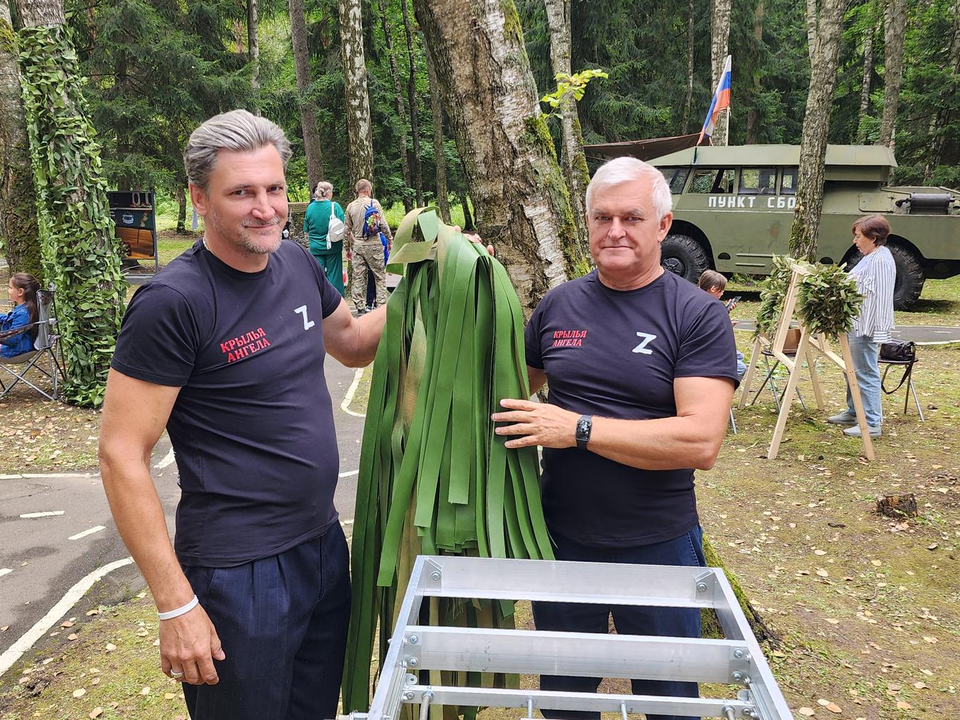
<point>171,614</point>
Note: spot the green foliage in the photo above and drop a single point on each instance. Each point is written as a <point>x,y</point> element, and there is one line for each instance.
<point>828,301</point>
<point>773,291</point>
<point>80,253</point>
<point>575,85</point>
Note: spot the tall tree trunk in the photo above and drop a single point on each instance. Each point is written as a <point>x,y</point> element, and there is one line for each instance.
<point>253,46</point>
<point>359,132</point>
<point>894,30</point>
<point>308,108</point>
<point>816,125</point>
<point>865,83</point>
<point>753,116</point>
<point>521,201</point>
<point>401,109</point>
<point>812,20</point>
<point>80,253</point>
<point>19,234</point>
<point>719,47</point>
<point>181,210</point>
<point>688,98</point>
<point>436,110</point>
<point>942,118</point>
<point>572,159</point>
<point>412,102</point>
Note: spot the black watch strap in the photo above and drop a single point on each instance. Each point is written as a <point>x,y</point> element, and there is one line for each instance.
<point>584,427</point>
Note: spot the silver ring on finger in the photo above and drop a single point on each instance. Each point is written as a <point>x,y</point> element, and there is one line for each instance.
<point>176,675</point>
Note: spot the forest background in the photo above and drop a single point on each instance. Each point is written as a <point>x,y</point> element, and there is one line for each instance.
<point>155,69</point>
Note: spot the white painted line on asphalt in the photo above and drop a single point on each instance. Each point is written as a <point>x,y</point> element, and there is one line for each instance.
<point>347,522</point>
<point>167,460</point>
<point>351,391</point>
<point>49,513</point>
<point>15,651</point>
<point>5,571</point>
<point>32,476</point>
<point>83,534</point>
<point>348,474</point>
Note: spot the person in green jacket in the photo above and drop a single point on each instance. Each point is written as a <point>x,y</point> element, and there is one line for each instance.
<point>317,225</point>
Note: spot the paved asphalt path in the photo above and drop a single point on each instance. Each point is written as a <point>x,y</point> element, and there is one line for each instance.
<point>920,334</point>
<point>41,558</point>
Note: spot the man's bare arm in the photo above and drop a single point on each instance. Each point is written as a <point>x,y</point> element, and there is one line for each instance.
<point>134,415</point>
<point>353,340</point>
<point>690,440</point>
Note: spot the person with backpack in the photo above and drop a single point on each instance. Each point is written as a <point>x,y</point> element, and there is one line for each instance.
<point>365,221</point>
<point>323,224</point>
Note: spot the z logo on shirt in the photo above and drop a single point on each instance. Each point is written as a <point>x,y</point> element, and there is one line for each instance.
<point>307,324</point>
<point>642,347</point>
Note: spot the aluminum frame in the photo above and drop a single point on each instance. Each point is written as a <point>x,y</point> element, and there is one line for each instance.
<point>737,659</point>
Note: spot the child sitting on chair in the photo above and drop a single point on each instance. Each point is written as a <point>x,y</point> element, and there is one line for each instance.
<point>22,291</point>
<point>714,283</point>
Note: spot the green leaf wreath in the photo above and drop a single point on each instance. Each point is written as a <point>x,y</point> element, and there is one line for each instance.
<point>828,301</point>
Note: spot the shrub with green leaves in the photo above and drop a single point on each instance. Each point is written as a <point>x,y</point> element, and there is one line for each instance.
<point>773,291</point>
<point>80,253</point>
<point>828,301</point>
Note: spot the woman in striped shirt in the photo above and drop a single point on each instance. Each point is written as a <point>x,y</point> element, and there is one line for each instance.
<point>876,275</point>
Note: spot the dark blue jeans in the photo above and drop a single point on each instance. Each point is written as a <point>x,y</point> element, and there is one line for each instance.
<point>283,624</point>
<point>577,617</point>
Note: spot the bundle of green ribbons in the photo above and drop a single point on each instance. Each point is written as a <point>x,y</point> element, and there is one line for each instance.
<point>434,477</point>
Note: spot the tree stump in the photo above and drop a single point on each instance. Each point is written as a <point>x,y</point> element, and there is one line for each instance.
<point>897,506</point>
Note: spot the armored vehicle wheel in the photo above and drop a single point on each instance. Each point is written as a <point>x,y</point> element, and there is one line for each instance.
<point>684,256</point>
<point>910,278</point>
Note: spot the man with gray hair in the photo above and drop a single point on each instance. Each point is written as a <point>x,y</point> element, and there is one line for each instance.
<point>641,372</point>
<point>225,349</point>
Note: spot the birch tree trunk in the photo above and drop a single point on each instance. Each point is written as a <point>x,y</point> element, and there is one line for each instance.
<point>865,83</point>
<point>688,98</point>
<point>943,116</point>
<point>401,109</point>
<point>79,251</point>
<point>253,46</point>
<point>719,47</point>
<point>812,21</point>
<point>359,132</point>
<point>412,101</point>
<point>572,159</point>
<point>312,149</point>
<point>521,201</point>
<point>894,30</point>
<point>816,125</point>
<point>436,110</point>
<point>181,210</point>
<point>19,234</point>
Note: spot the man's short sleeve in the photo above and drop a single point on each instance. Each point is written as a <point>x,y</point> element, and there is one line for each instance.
<point>707,348</point>
<point>531,338</point>
<point>159,337</point>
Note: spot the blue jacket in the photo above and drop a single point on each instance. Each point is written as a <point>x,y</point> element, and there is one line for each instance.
<point>18,344</point>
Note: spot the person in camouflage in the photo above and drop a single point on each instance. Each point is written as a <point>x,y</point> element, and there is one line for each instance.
<point>365,221</point>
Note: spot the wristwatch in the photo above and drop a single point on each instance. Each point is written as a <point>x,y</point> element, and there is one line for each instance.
<point>582,435</point>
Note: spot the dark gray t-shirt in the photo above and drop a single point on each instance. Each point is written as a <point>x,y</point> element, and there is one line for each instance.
<point>252,427</point>
<point>615,354</point>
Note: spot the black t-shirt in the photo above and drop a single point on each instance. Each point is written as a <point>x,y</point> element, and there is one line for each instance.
<point>615,354</point>
<point>252,427</point>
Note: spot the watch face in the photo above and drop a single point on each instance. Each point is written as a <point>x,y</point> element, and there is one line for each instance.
<point>583,428</point>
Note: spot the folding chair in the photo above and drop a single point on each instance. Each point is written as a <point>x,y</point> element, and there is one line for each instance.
<point>44,348</point>
<point>790,350</point>
<point>907,379</point>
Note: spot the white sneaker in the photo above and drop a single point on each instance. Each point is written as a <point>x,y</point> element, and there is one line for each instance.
<point>875,431</point>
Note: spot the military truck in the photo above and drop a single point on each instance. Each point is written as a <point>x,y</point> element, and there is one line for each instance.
<point>733,209</point>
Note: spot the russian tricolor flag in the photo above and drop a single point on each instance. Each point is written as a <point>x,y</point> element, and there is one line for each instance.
<point>721,101</point>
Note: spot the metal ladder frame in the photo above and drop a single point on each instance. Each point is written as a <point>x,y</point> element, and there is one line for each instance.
<point>737,659</point>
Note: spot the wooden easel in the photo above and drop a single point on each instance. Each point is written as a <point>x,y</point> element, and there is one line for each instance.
<point>808,343</point>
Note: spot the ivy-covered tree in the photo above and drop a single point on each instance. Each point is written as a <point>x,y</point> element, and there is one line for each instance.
<point>80,254</point>
<point>19,238</point>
